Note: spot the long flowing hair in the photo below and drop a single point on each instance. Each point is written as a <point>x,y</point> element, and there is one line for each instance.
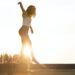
<point>31,10</point>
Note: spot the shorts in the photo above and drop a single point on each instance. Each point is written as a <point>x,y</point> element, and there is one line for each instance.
<point>23,30</point>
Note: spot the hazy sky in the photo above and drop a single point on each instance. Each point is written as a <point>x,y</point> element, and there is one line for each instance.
<point>54,29</point>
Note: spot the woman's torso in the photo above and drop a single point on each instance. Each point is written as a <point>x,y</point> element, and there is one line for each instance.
<point>26,20</point>
<point>25,25</point>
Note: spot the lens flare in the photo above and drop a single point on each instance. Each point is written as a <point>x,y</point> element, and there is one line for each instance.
<point>27,51</point>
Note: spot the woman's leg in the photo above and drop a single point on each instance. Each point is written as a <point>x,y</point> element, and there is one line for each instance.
<point>26,40</point>
<point>32,53</point>
<point>23,46</point>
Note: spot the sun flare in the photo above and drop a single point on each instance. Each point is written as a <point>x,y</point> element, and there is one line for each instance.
<point>27,51</point>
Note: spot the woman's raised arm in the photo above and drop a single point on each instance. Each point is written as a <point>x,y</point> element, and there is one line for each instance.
<point>22,8</point>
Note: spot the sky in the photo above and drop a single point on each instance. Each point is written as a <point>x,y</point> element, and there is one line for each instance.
<point>54,29</point>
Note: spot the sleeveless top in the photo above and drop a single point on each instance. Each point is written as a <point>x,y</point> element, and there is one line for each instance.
<point>26,20</point>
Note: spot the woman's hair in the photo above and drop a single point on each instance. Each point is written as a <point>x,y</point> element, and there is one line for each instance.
<point>31,10</point>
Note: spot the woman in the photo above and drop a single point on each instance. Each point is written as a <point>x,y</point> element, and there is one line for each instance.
<point>23,32</point>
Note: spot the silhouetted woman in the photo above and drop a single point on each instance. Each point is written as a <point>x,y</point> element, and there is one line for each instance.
<point>26,25</point>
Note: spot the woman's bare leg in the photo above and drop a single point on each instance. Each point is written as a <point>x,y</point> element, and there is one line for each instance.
<point>32,53</point>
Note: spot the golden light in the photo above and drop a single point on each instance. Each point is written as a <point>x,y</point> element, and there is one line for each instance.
<point>27,51</point>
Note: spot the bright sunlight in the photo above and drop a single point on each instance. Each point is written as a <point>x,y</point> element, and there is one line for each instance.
<point>27,51</point>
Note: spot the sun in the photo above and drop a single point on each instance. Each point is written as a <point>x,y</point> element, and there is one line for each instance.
<point>27,51</point>
<point>28,54</point>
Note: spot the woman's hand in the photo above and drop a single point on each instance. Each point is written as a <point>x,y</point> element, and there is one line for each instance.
<point>32,31</point>
<point>19,3</point>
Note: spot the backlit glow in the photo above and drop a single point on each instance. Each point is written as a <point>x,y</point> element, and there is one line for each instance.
<point>27,51</point>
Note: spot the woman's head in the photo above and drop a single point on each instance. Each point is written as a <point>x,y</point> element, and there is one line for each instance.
<point>31,11</point>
